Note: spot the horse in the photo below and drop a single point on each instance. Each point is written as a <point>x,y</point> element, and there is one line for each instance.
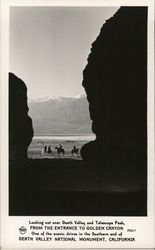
<point>44,151</point>
<point>49,150</point>
<point>75,151</point>
<point>60,150</point>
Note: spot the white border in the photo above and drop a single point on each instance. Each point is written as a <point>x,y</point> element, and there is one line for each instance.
<point>10,225</point>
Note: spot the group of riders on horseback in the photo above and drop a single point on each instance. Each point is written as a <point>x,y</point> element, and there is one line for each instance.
<point>60,150</point>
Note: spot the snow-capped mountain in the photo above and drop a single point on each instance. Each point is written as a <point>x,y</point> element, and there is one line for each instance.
<point>60,115</point>
<point>79,96</point>
<point>44,99</point>
<point>55,98</point>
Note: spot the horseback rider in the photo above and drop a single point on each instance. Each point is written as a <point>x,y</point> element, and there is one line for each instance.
<point>49,151</point>
<point>45,148</point>
<point>60,150</point>
<point>74,150</point>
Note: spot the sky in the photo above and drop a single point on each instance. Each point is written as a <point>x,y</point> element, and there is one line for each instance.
<point>49,46</point>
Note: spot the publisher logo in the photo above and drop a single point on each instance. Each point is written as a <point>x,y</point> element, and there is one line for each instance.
<point>22,230</point>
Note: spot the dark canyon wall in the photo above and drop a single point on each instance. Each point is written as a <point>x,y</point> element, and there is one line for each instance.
<point>115,81</point>
<point>20,124</point>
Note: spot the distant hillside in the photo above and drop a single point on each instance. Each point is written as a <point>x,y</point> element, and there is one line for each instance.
<point>61,115</point>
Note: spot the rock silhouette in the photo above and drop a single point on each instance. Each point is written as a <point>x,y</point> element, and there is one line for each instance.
<point>20,124</point>
<point>115,81</point>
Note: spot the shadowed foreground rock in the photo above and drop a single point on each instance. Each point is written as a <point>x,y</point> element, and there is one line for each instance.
<point>20,124</point>
<point>115,81</point>
<point>56,187</point>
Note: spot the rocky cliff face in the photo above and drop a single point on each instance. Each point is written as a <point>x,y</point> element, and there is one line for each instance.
<point>20,124</point>
<point>115,81</point>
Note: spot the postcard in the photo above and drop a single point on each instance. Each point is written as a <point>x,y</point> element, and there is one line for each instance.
<point>77,124</point>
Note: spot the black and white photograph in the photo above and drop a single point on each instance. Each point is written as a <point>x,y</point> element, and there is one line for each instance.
<point>78,131</point>
<point>78,111</point>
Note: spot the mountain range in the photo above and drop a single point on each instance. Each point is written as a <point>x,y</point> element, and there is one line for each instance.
<point>60,115</point>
